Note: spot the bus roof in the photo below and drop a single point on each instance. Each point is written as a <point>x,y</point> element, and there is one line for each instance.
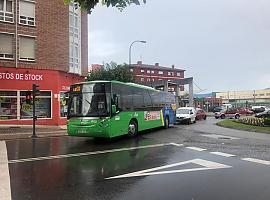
<point>118,82</point>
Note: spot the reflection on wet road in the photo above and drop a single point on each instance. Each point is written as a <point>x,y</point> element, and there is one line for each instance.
<point>138,168</point>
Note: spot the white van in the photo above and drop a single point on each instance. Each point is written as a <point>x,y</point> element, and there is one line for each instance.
<point>186,114</point>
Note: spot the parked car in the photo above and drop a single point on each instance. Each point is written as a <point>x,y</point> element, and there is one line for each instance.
<point>263,114</point>
<point>229,113</point>
<point>258,109</point>
<point>186,114</point>
<point>200,114</point>
<point>245,111</point>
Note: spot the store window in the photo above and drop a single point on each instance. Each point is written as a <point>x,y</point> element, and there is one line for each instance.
<point>8,105</point>
<point>43,105</point>
<point>63,104</point>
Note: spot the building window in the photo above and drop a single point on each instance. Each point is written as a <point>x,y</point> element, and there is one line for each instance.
<point>148,80</point>
<point>142,70</point>
<point>178,74</point>
<point>27,13</point>
<point>131,70</point>
<point>153,80</point>
<point>142,79</point>
<point>170,73</point>
<point>27,48</point>
<point>160,72</point>
<point>148,71</point>
<point>43,106</point>
<point>63,104</point>
<point>152,72</point>
<point>8,105</point>
<point>6,51</point>
<point>6,10</point>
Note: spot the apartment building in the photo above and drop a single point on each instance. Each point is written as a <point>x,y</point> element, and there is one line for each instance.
<point>41,42</point>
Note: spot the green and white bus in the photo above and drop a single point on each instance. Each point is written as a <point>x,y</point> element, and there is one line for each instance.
<point>110,108</point>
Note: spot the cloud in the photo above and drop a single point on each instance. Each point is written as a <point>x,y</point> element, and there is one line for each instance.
<point>102,45</point>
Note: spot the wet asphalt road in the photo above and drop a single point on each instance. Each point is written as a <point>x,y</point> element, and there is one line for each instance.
<point>198,161</point>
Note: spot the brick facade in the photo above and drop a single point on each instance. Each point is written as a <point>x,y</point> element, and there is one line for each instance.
<point>51,34</point>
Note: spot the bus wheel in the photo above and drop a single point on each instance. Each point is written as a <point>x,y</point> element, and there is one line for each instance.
<point>132,128</point>
<point>166,122</point>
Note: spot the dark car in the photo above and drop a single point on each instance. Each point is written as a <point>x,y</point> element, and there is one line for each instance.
<point>263,114</point>
<point>201,114</point>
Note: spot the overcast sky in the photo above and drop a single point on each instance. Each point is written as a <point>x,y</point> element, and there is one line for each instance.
<point>223,44</point>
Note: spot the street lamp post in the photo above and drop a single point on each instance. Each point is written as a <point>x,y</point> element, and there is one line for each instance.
<point>140,41</point>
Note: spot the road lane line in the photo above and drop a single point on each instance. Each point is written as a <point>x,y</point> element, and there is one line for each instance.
<point>196,148</point>
<point>222,154</point>
<point>175,144</point>
<point>85,153</point>
<point>5,191</point>
<point>264,162</point>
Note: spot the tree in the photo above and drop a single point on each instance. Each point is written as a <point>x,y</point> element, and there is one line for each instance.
<point>112,71</point>
<point>88,5</point>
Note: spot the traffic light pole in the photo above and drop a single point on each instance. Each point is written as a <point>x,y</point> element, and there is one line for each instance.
<point>35,92</point>
<point>34,116</point>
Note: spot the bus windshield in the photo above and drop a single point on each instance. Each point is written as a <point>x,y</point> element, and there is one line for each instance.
<point>89,100</point>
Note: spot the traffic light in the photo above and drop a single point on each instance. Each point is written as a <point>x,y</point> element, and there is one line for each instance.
<point>36,91</point>
<point>28,99</point>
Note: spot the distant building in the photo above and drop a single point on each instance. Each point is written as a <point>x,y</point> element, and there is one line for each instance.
<point>95,67</point>
<point>246,98</point>
<point>147,74</point>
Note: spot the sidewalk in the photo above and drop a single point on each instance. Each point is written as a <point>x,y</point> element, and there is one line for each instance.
<point>8,132</point>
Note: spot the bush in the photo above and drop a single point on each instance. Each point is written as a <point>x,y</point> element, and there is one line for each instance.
<point>252,121</point>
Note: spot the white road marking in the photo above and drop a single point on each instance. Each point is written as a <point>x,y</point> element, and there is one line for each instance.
<point>223,154</point>
<point>178,145</point>
<point>5,191</point>
<point>196,148</point>
<point>219,136</point>
<point>206,165</point>
<point>264,162</point>
<point>85,153</point>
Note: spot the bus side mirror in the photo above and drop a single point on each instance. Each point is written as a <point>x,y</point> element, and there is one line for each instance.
<point>113,109</point>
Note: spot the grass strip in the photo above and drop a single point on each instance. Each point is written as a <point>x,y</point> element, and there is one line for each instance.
<point>227,123</point>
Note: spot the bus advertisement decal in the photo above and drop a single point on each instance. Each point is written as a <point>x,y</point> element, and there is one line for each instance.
<point>151,115</point>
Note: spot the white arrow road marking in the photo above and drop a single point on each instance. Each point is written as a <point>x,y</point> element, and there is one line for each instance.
<point>206,165</point>
<point>5,191</point>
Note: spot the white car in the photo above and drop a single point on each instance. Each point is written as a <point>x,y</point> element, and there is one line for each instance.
<point>186,114</point>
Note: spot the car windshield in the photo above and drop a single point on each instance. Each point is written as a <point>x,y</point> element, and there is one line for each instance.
<point>182,111</point>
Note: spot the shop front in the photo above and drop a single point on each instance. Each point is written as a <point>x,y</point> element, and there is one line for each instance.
<point>51,105</point>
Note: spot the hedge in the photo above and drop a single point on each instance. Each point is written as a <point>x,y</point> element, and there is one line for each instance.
<point>255,121</point>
